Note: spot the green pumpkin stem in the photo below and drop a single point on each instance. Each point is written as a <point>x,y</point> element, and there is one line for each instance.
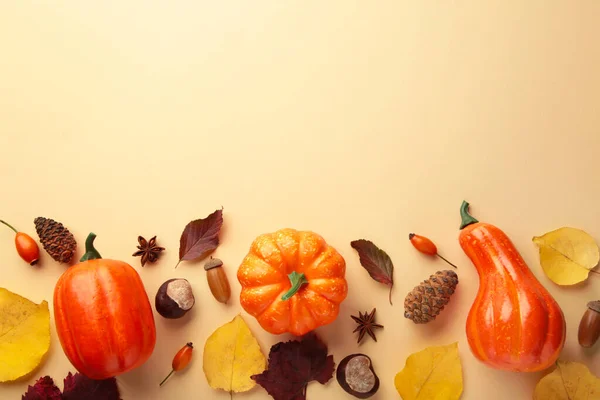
<point>90,251</point>
<point>467,219</point>
<point>297,280</point>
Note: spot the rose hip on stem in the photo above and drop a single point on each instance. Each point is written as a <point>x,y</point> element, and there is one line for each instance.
<point>181,360</point>
<point>426,246</point>
<point>26,246</point>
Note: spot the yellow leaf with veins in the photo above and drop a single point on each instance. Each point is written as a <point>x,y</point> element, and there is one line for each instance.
<point>231,356</point>
<point>569,381</point>
<point>431,374</point>
<point>24,335</point>
<point>567,255</point>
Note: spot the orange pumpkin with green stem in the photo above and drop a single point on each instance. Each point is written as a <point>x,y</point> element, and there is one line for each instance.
<point>103,316</point>
<point>514,323</point>
<point>292,281</point>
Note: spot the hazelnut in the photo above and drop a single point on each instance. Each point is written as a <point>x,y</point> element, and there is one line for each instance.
<point>174,298</point>
<point>589,327</point>
<point>356,376</point>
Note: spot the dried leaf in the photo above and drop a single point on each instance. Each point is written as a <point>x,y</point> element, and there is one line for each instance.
<point>231,356</point>
<point>433,373</point>
<point>569,381</point>
<point>24,335</point>
<point>293,364</point>
<point>76,387</point>
<point>376,261</point>
<point>567,255</point>
<point>44,389</point>
<point>200,237</point>
<point>79,386</point>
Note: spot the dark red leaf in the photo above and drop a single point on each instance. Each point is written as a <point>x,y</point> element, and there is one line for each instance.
<point>293,364</point>
<point>80,387</point>
<point>44,389</point>
<point>200,237</point>
<point>376,261</point>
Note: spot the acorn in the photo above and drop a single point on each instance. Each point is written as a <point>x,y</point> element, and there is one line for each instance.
<point>589,326</point>
<point>356,375</point>
<point>174,298</point>
<point>217,280</point>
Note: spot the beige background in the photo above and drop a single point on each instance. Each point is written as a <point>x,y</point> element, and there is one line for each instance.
<point>352,119</point>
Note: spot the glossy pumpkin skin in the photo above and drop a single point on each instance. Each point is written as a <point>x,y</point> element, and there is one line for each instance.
<point>264,272</point>
<point>514,323</point>
<point>103,318</point>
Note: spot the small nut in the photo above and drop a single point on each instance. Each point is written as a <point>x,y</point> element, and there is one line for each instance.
<point>356,376</point>
<point>217,280</point>
<point>174,298</point>
<point>589,327</point>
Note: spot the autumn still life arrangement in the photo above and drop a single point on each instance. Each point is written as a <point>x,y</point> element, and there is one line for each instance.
<point>294,282</point>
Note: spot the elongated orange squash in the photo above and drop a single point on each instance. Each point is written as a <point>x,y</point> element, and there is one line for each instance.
<point>514,323</point>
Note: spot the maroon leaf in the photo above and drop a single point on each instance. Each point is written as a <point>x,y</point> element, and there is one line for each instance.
<point>376,261</point>
<point>44,389</point>
<point>293,364</point>
<point>200,237</point>
<point>79,387</point>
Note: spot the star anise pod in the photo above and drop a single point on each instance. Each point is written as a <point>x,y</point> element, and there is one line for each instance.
<point>148,250</point>
<point>366,324</point>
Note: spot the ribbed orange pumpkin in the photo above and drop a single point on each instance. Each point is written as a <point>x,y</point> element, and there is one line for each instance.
<point>292,281</point>
<point>103,316</point>
<point>514,323</point>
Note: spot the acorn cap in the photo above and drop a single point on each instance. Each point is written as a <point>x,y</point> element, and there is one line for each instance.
<point>212,263</point>
<point>594,305</point>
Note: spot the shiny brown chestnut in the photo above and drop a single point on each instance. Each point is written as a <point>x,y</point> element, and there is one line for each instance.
<point>589,326</point>
<point>174,298</point>
<point>356,375</point>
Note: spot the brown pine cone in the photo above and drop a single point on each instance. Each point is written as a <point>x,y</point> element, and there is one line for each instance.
<point>427,300</point>
<point>56,239</point>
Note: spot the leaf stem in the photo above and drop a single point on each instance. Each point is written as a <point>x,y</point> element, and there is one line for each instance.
<point>176,265</point>
<point>9,225</point>
<point>390,295</point>
<point>443,258</point>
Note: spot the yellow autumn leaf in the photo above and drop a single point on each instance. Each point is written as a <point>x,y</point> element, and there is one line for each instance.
<point>431,374</point>
<point>231,356</point>
<point>567,255</point>
<point>24,335</point>
<point>569,381</point>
